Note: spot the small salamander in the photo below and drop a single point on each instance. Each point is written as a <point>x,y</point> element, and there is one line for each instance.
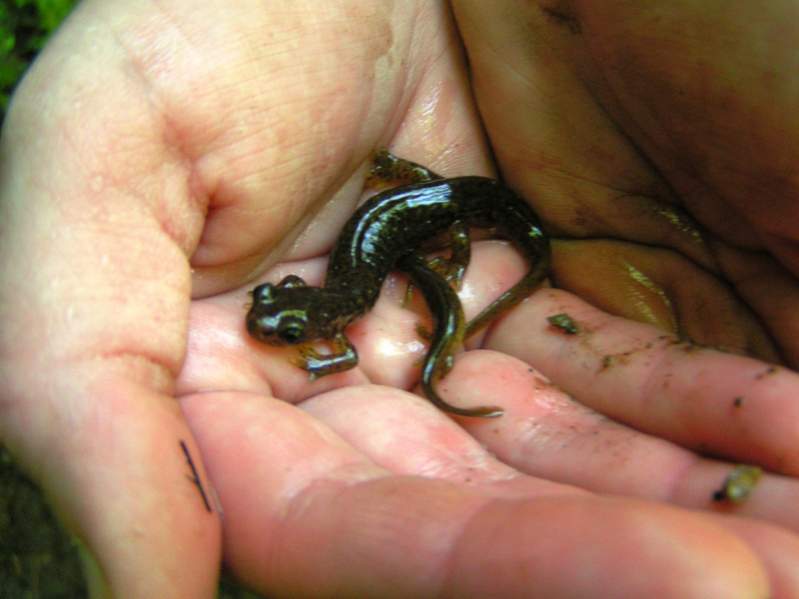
<point>388,232</point>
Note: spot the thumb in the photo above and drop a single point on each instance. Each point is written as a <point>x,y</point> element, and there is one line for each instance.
<point>94,296</point>
<point>131,488</point>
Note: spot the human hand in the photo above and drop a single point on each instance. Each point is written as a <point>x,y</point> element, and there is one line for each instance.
<point>239,138</point>
<point>654,142</point>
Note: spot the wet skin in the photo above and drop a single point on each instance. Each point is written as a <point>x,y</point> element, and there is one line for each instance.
<point>389,232</point>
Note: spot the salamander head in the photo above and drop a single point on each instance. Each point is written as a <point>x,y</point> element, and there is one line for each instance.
<point>287,313</point>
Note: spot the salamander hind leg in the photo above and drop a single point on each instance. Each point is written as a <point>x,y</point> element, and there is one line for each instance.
<point>390,171</point>
<point>454,268</point>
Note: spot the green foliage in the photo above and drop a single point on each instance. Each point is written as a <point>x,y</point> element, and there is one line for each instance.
<point>24,28</point>
<point>51,12</point>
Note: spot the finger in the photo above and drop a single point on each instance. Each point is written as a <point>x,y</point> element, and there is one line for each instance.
<point>553,436</point>
<point>547,434</point>
<point>729,405</point>
<point>125,477</point>
<point>543,433</point>
<point>779,549</point>
<point>379,425</point>
<point>406,434</point>
<point>306,515</point>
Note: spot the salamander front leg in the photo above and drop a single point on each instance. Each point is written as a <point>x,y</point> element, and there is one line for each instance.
<point>343,357</point>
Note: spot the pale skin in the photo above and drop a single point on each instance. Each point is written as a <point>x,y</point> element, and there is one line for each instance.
<point>163,158</point>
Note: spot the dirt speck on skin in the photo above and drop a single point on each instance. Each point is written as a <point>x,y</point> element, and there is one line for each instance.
<point>565,323</point>
<point>610,360</point>
<point>767,372</point>
<point>739,484</point>
<point>622,358</point>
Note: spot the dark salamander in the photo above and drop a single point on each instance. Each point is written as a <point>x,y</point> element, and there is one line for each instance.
<point>388,232</point>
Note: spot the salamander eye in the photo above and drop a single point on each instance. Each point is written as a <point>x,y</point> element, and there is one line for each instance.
<point>291,282</point>
<point>263,294</point>
<point>291,329</point>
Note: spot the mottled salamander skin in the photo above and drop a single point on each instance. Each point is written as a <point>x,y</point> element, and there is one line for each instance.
<point>384,234</point>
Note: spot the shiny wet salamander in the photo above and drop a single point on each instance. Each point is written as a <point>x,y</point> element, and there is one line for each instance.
<point>389,232</point>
